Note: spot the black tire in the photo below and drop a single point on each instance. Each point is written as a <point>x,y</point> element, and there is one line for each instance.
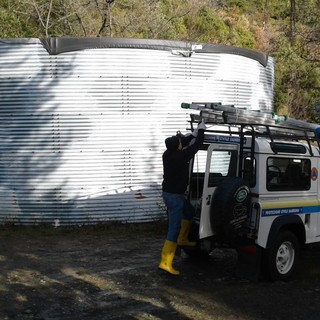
<point>230,208</point>
<point>282,259</point>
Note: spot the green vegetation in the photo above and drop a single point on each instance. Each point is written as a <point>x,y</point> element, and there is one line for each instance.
<point>288,30</point>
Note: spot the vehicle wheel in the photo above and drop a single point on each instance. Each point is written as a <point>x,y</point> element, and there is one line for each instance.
<point>281,260</point>
<point>230,209</point>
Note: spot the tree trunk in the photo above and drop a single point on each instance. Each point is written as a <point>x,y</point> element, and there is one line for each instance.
<point>292,19</point>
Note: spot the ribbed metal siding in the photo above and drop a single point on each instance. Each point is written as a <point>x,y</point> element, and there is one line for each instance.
<point>82,132</point>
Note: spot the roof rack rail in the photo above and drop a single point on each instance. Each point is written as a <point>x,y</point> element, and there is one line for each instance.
<point>229,114</point>
<point>259,123</point>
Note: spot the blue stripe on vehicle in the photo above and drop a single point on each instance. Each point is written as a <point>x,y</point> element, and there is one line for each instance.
<point>290,210</point>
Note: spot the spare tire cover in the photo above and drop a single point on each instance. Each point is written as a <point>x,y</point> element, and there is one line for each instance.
<point>230,208</point>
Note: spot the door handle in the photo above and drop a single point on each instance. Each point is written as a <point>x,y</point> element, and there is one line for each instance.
<point>208,199</point>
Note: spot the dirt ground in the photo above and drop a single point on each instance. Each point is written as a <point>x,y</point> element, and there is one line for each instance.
<point>111,272</point>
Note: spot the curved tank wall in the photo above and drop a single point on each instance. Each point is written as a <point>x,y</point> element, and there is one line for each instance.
<point>83,128</point>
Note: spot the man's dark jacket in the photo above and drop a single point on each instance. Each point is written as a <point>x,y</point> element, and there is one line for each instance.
<point>176,166</point>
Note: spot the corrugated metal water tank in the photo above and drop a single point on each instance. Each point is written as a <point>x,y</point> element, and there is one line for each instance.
<point>83,121</point>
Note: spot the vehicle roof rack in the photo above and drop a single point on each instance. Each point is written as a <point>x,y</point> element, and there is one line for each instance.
<point>211,111</point>
<point>255,123</point>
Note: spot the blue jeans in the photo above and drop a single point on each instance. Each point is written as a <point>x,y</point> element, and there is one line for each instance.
<point>178,208</point>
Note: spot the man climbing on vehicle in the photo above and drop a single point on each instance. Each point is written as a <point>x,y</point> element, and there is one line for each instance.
<point>180,150</point>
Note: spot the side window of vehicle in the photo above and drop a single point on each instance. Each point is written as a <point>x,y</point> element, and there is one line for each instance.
<point>223,164</point>
<point>249,170</point>
<point>288,174</point>
<point>197,174</point>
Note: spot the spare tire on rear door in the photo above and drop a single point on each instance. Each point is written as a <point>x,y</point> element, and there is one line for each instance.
<point>230,209</point>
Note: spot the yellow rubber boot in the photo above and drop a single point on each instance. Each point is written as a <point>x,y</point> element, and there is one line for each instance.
<point>183,235</point>
<point>167,255</point>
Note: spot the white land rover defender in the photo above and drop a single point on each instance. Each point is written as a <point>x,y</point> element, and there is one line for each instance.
<point>254,186</point>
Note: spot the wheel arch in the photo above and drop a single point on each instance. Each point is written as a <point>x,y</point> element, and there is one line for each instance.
<point>292,223</point>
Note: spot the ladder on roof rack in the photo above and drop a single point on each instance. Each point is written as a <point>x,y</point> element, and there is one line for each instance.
<point>256,123</point>
<point>216,112</point>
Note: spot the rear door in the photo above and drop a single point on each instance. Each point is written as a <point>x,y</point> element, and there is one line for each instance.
<point>222,162</point>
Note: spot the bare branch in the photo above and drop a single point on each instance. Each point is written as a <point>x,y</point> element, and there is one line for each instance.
<point>38,12</point>
<point>107,13</point>
<point>81,24</point>
<point>48,18</point>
